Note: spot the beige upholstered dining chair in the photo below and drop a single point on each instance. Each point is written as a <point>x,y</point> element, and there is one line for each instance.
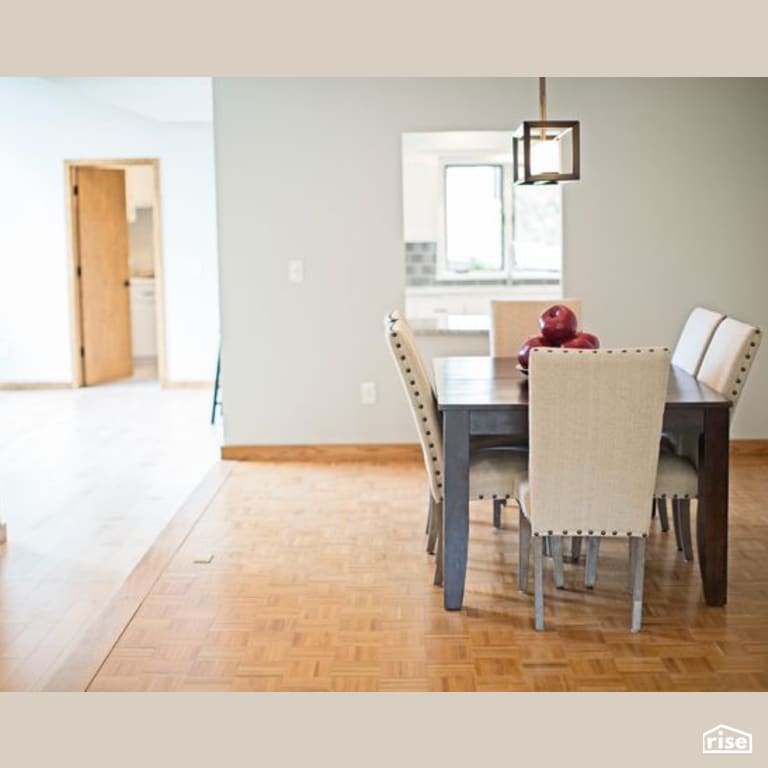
<point>585,477</point>
<point>493,473</point>
<point>689,352</point>
<point>724,368</point>
<point>513,322</point>
<point>694,339</point>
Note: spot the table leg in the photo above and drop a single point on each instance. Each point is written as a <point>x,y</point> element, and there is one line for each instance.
<point>456,506</point>
<point>712,513</point>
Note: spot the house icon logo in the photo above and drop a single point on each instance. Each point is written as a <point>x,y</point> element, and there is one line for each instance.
<point>724,740</point>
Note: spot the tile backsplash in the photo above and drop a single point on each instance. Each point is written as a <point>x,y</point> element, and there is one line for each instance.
<point>420,263</point>
<point>421,269</point>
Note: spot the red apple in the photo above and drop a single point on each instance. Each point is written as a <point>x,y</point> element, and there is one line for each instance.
<point>525,350</point>
<point>558,324</point>
<point>582,341</point>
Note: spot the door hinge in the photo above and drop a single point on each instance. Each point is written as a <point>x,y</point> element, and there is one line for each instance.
<point>74,189</point>
<point>79,271</point>
<point>82,351</point>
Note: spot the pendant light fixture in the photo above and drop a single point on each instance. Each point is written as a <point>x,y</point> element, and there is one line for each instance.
<point>546,151</point>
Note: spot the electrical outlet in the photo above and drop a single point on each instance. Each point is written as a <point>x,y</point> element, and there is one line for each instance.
<point>295,271</point>
<point>368,393</point>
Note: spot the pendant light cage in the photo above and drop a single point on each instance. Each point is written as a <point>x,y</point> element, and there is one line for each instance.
<point>546,151</point>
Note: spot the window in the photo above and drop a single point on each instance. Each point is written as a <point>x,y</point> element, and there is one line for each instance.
<point>474,219</point>
<point>491,230</point>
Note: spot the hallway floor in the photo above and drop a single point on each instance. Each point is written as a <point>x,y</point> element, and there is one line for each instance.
<point>88,479</point>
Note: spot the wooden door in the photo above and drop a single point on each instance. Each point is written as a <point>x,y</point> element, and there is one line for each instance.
<point>104,279</point>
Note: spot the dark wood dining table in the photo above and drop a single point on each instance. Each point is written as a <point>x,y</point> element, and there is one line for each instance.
<point>480,396</point>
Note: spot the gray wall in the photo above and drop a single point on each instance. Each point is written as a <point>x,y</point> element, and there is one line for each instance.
<point>670,213</point>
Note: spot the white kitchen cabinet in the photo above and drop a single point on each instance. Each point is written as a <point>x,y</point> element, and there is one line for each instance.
<point>143,324</point>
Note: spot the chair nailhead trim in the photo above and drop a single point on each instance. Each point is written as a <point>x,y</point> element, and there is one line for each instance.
<point>578,533</point>
<point>615,533</point>
<point>602,533</point>
<point>590,533</point>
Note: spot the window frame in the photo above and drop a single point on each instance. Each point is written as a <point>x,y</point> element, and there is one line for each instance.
<point>510,272</point>
<point>443,273</point>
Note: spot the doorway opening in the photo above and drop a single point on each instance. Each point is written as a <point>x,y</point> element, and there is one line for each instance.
<point>116,271</point>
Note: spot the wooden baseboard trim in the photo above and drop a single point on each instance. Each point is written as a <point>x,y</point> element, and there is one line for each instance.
<point>324,453</point>
<point>749,448</point>
<point>389,451</point>
<point>92,646</point>
<point>11,385</point>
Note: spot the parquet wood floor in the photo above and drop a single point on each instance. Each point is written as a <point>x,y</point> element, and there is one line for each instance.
<point>320,582</point>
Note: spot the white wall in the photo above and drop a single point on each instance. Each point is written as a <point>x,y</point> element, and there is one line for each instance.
<point>669,214</point>
<point>43,125</point>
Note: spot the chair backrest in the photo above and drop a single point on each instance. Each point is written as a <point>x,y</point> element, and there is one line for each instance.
<point>421,398</point>
<point>694,339</point>
<point>513,322</point>
<point>595,421</point>
<point>729,358</point>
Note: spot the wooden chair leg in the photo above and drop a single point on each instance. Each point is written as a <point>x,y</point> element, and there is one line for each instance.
<point>524,552</point>
<point>438,514</point>
<point>538,582</point>
<point>676,523</point>
<point>575,549</point>
<point>590,569</point>
<point>498,506</point>
<point>556,547</point>
<point>661,506</point>
<point>638,577</point>
<point>684,523</point>
<point>432,530</point>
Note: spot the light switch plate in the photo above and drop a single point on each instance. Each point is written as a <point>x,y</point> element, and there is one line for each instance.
<point>295,271</point>
<point>368,392</point>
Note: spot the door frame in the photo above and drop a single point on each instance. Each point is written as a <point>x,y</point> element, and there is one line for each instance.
<point>76,328</point>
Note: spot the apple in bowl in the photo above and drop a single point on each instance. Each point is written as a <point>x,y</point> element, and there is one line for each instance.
<point>582,341</point>
<point>558,324</point>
